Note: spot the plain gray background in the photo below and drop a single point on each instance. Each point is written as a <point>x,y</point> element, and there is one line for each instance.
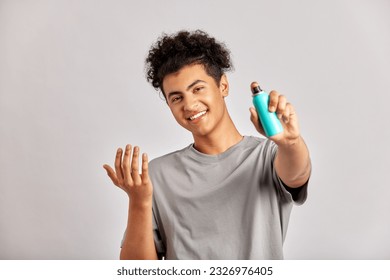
<point>72,90</point>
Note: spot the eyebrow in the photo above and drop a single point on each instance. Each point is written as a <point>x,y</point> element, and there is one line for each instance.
<point>188,87</point>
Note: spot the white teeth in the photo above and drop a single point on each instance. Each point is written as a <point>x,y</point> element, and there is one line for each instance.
<point>197,115</point>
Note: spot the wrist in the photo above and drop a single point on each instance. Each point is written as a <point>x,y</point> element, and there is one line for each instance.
<point>140,205</point>
<point>290,143</point>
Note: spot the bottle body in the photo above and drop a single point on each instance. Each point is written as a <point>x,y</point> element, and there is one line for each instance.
<point>269,120</point>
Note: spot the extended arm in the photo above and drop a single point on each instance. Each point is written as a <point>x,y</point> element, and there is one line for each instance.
<point>138,243</point>
<point>292,161</point>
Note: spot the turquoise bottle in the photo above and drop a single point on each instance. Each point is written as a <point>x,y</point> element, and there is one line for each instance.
<point>270,122</point>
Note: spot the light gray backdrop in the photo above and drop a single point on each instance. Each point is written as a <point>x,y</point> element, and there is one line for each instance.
<point>72,90</point>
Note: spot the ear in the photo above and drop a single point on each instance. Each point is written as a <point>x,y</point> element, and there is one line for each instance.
<point>224,86</point>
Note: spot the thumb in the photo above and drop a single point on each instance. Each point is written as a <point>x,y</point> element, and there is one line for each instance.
<point>255,120</point>
<point>254,115</point>
<point>111,174</point>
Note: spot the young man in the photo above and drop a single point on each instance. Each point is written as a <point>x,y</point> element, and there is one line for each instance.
<point>226,196</point>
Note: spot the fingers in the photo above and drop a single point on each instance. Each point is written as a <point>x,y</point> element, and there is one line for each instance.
<point>278,103</point>
<point>126,172</point>
<point>128,180</point>
<point>118,165</point>
<point>127,176</point>
<point>135,168</point>
<point>145,171</point>
<point>285,115</point>
<point>273,101</point>
<point>281,106</point>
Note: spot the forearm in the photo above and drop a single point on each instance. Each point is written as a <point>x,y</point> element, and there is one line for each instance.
<point>139,243</point>
<point>292,163</point>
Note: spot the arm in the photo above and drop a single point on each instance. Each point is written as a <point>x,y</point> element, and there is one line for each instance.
<point>138,242</point>
<point>292,161</point>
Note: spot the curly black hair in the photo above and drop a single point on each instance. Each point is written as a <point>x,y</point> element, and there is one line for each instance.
<point>172,52</point>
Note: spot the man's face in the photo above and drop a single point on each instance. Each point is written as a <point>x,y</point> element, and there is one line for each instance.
<point>196,101</point>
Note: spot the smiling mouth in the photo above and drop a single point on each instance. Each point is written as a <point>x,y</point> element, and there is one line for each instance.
<point>198,115</point>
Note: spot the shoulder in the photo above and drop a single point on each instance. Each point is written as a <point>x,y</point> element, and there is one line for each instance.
<point>168,158</point>
<point>254,140</point>
<point>261,144</point>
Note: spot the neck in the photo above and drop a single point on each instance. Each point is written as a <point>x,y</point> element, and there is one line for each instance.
<point>219,140</point>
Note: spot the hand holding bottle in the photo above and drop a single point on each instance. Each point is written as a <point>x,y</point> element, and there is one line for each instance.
<point>274,117</point>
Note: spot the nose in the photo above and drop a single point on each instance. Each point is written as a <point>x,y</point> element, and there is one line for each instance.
<point>190,103</point>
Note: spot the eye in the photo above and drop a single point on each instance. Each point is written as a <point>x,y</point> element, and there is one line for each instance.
<point>175,99</point>
<point>197,89</point>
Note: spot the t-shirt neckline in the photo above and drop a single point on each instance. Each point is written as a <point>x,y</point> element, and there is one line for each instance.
<point>202,157</point>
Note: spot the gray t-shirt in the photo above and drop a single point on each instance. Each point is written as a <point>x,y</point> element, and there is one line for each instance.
<point>226,206</point>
